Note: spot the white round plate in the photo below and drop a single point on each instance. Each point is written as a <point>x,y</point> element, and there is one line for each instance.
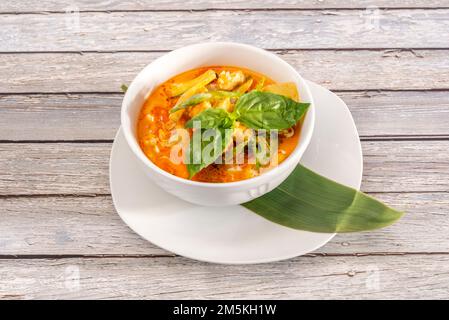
<point>235,235</point>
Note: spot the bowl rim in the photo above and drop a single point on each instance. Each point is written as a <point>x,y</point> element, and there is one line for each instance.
<point>297,152</point>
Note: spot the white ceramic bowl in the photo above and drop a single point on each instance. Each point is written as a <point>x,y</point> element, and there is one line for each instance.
<point>213,54</point>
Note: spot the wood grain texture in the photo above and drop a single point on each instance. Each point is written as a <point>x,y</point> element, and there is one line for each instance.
<point>270,29</point>
<point>82,168</point>
<point>390,114</point>
<point>111,5</point>
<point>60,82</point>
<point>97,116</point>
<point>397,277</point>
<point>90,226</point>
<point>67,225</point>
<point>336,70</point>
<point>78,168</point>
<point>59,117</point>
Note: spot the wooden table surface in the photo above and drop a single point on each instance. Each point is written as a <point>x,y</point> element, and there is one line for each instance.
<point>61,67</point>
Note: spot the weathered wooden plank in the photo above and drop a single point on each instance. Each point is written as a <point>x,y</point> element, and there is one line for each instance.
<point>111,5</point>
<point>426,277</point>
<point>271,29</point>
<point>59,117</point>
<point>90,226</point>
<point>54,168</point>
<point>97,116</point>
<point>337,70</point>
<point>405,166</point>
<point>82,168</point>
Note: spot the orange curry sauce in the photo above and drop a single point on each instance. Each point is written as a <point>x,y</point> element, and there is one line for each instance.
<point>154,129</point>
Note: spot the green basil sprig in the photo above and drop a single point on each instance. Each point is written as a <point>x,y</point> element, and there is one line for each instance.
<point>256,110</point>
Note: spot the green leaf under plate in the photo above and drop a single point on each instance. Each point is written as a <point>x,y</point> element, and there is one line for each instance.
<point>311,202</point>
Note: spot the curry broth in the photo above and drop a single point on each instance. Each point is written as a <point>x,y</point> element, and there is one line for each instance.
<point>154,129</point>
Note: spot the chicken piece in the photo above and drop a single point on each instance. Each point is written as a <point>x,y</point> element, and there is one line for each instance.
<point>229,80</point>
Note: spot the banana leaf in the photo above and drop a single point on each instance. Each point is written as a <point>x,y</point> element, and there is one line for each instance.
<point>308,201</point>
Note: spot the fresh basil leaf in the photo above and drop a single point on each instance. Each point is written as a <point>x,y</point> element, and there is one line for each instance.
<point>212,118</point>
<point>206,148</point>
<point>266,110</point>
<point>205,96</point>
<point>193,100</point>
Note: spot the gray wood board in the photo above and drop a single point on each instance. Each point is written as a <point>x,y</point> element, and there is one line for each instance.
<point>336,70</point>
<point>284,29</point>
<point>72,117</point>
<point>392,277</point>
<point>82,168</point>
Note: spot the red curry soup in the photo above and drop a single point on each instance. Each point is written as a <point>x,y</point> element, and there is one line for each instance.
<point>255,124</point>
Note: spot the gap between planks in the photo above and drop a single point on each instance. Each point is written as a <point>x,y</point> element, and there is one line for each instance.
<point>94,195</point>
<point>232,9</point>
<point>157,5</point>
<point>168,255</point>
<point>279,51</point>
